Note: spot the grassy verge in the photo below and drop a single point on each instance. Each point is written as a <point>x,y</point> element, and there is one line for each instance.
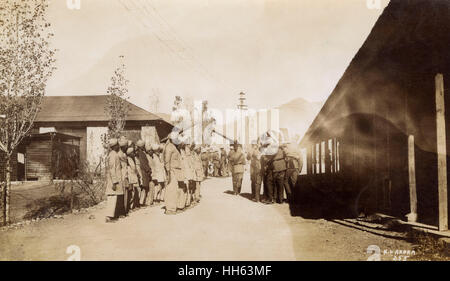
<point>429,248</point>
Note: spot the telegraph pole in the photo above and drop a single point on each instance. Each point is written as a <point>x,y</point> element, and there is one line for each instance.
<point>242,107</point>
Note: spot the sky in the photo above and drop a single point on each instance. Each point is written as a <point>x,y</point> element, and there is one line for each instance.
<point>273,50</point>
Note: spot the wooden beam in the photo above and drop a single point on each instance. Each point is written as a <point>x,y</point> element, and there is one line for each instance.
<point>412,216</point>
<point>441,153</point>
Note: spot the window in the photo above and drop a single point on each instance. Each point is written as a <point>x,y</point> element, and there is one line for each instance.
<point>20,158</point>
<point>338,164</point>
<point>43,130</point>
<point>322,157</point>
<point>317,159</point>
<point>330,155</point>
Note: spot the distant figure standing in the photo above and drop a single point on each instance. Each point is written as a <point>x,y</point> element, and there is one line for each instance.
<point>114,183</point>
<point>198,172</point>
<point>151,184</point>
<point>294,163</point>
<point>279,176</point>
<point>145,171</point>
<point>205,162</point>
<point>123,144</point>
<point>255,171</point>
<point>223,163</point>
<point>158,173</point>
<point>133,177</point>
<point>175,177</point>
<point>237,160</point>
<point>267,177</point>
<point>216,163</point>
<point>189,173</point>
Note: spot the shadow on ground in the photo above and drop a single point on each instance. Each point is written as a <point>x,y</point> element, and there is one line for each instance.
<point>247,196</point>
<point>229,192</point>
<point>313,204</point>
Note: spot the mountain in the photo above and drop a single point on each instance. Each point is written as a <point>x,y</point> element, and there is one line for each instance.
<point>297,115</point>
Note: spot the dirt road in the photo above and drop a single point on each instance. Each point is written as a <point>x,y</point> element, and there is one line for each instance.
<point>221,227</point>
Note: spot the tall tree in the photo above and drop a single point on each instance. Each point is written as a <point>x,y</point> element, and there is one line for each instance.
<point>117,105</point>
<point>26,63</point>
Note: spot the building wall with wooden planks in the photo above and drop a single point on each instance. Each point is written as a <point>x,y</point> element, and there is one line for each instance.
<point>39,160</point>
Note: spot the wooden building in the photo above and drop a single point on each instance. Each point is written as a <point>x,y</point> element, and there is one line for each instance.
<point>51,156</point>
<point>373,147</point>
<point>74,116</point>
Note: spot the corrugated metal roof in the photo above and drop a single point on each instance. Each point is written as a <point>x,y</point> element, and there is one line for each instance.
<point>85,108</point>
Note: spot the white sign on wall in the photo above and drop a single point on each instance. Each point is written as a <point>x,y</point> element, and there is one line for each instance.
<point>94,145</point>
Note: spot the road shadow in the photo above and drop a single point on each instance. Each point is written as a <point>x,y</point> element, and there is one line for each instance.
<point>247,196</point>
<point>229,192</point>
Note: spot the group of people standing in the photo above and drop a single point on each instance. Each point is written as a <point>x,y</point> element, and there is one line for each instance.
<point>277,168</point>
<point>215,162</point>
<point>144,174</point>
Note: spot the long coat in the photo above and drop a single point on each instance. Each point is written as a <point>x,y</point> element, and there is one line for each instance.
<point>198,166</point>
<point>138,169</point>
<point>132,171</point>
<point>255,163</point>
<point>113,174</point>
<point>188,165</point>
<point>124,166</point>
<point>172,161</point>
<point>237,160</point>
<point>279,161</point>
<point>158,172</point>
<point>145,168</point>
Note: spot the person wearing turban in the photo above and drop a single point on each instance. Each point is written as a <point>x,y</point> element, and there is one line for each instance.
<point>133,177</point>
<point>158,173</point>
<point>123,144</point>
<point>114,184</point>
<point>237,160</point>
<point>175,176</point>
<point>145,172</point>
<point>189,173</point>
<point>205,162</point>
<point>199,174</point>
<point>152,185</point>
<point>294,162</point>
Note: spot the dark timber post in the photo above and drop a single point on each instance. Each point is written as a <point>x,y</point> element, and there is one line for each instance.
<point>412,216</point>
<point>441,153</point>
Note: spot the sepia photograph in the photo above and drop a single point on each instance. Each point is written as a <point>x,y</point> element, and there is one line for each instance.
<point>220,131</point>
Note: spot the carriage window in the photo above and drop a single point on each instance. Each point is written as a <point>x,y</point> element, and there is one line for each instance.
<point>313,160</point>
<point>317,159</point>
<point>331,155</point>
<point>338,165</point>
<point>322,157</point>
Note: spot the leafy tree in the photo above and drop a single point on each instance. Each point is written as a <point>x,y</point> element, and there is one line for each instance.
<point>117,105</point>
<point>26,63</point>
